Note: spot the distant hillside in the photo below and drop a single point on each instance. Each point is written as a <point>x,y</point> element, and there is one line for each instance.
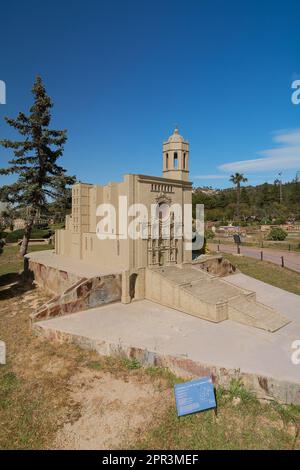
<point>264,203</point>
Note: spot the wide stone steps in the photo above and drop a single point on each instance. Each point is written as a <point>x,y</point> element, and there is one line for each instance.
<point>200,294</point>
<point>253,313</point>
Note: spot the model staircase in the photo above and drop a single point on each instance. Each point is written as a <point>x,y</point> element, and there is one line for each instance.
<point>194,291</point>
<point>253,313</point>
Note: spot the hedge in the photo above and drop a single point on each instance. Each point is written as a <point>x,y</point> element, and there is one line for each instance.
<point>13,237</point>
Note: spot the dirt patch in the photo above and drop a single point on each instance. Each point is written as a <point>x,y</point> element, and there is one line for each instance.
<point>112,410</point>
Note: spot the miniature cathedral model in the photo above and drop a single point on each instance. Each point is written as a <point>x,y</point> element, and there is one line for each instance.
<point>79,238</point>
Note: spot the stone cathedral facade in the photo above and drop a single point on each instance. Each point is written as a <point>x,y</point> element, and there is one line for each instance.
<point>79,239</point>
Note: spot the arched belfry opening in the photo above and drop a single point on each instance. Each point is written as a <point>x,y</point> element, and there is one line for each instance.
<point>176,167</point>
<point>175,160</point>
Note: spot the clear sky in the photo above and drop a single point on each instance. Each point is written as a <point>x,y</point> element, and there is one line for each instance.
<point>122,73</point>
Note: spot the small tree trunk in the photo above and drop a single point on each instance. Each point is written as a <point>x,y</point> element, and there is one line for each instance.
<point>238,202</point>
<point>27,234</point>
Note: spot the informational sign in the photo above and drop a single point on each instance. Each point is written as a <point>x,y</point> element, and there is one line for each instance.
<point>237,239</point>
<point>2,92</point>
<point>193,396</point>
<point>2,353</point>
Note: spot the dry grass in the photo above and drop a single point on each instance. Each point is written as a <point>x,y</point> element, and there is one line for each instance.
<point>267,272</point>
<point>10,261</point>
<point>242,422</point>
<point>37,383</point>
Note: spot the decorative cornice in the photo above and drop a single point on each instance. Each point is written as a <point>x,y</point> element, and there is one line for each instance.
<point>163,198</point>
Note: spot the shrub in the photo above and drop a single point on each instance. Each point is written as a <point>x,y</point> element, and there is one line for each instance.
<point>13,237</point>
<point>37,233</point>
<point>238,390</point>
<point>277,234</point>
<point>41,226</point>
<point>209,234</point>
<point>131,363</point>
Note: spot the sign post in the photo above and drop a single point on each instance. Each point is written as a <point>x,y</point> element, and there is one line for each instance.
<point>237,241</point>
<point>2,353</point>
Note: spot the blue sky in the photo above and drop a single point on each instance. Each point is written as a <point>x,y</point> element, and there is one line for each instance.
<point>123,73</point>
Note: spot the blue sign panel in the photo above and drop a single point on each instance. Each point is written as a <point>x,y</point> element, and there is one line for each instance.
<point>196,395</point>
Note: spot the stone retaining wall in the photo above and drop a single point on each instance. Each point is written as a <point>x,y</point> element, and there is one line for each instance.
<point>216,265</point>
<point>83,295</point>
<point>73,293</point>
<point>263,387</point>
<point>52,280</point>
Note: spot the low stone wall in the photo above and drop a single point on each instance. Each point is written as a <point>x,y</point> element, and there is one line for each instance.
<point>52,280</point>
<point>82,295</point>
<point>72,292</point>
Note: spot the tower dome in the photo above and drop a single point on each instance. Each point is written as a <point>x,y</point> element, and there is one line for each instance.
<point>176,137</point>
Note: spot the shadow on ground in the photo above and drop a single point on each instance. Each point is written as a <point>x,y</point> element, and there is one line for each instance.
<point>14,284</point>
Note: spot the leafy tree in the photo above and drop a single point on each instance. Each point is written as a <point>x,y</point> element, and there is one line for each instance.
<point>9,214</point>
<point>277,234</point>
<point>258,204</point>
<point>295,191</point>
<point>237,179</point>
<point>35,160</point>
<point>245,196</point>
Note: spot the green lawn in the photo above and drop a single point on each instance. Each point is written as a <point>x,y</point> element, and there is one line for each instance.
<point>267,272</point>
<point>289,244</point>
<point>10,261</point>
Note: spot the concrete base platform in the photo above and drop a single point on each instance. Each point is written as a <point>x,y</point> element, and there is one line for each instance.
<point>193,347</point>
<point>70,265</point>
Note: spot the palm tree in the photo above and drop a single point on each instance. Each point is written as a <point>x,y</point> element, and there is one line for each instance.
<point>237,179</point>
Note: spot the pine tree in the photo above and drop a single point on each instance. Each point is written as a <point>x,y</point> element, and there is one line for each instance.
<point>35,160</point>
<point>62,204</point>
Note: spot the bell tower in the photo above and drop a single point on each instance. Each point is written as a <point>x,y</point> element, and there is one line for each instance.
<point>176,157</point>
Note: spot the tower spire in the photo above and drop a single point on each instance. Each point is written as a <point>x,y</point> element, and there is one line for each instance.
<point>176,157</point>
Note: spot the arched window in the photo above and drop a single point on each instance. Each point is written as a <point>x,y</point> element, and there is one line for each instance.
<point>167,161</point>
<point>184,161</point>
<point>175,161</point>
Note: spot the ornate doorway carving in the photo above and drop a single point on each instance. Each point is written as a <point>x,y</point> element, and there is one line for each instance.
<point>162,246</point>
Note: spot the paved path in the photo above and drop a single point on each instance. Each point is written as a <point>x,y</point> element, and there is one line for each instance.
<point>291,258</point>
